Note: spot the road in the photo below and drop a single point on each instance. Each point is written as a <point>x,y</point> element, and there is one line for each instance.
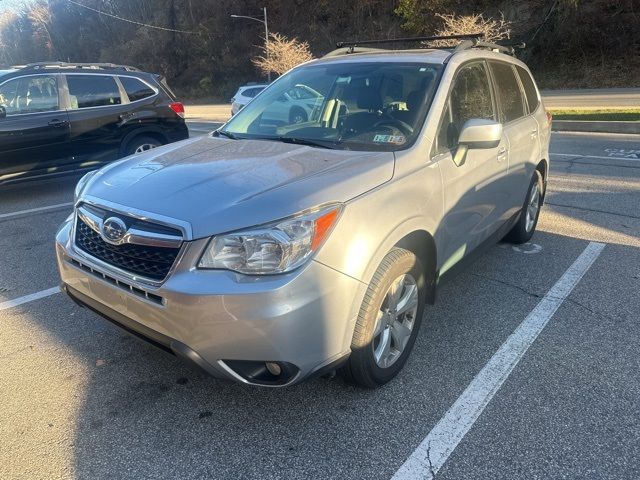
<point>568,99</point>
<point>80,399</point>
<point>594,98</point>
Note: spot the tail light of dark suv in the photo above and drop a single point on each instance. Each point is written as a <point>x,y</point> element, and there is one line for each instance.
<point>178,108</point>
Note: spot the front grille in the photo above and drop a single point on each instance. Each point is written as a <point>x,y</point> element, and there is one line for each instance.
<point>149,262</point>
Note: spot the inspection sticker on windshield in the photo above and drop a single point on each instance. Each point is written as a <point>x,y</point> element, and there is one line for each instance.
<point>396,139</point>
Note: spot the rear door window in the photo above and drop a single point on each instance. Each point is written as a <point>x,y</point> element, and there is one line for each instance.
<point>32,94</point>
<point>510,101</point>
<point>252,92</point>
<point>87,91</point>
<point>529,89</point>
<point>136,89</point>
<point>470,98</point>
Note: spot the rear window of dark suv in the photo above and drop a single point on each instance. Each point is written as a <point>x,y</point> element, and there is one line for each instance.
<point>88,91</point>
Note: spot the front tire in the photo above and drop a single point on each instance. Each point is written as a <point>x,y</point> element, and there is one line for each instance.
<point>524,229</point>
<point>388,321</point>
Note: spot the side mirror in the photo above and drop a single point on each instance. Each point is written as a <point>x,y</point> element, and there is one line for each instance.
<point>477,133</point>
<point>3,112</point>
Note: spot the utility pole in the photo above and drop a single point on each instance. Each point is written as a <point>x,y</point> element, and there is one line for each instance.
<point>262,20</point>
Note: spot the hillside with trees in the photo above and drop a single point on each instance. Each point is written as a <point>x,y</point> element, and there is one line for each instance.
<point>205,53</point>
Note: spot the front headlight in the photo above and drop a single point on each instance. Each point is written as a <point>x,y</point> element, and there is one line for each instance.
<point>82,183</point>
<point>277,248</point>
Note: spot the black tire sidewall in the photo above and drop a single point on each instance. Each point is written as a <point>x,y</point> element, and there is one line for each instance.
<point>295,111</point>
<point>135,142</point>
<point>363,368</point>
<point>519,233</point>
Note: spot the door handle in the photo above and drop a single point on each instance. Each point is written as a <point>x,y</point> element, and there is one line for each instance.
<point>126,116</point>
<point>58,123</point>
<point>502,154</point>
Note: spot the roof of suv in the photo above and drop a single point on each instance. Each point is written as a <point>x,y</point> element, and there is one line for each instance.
<point>61,67</point>
<point>415,55</point>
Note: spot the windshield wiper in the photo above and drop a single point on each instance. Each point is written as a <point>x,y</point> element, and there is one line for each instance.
<point>311,143</point>
<point>225,134</point>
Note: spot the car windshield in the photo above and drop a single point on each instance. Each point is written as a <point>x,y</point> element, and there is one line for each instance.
<point>346,105</point>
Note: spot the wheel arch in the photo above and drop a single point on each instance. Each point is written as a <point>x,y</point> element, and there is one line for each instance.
<point>422,244</point>
<point>543,168</point>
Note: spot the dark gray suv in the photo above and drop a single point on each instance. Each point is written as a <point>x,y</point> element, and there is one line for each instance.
<point>57,117</point>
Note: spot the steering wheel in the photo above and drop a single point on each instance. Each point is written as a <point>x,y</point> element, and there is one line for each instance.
<point>395,123</point>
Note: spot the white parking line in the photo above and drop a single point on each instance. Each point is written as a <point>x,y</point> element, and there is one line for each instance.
<point>29,298</point>
<point>34,210</point>
<point>434,450</point>
<point>577,155</point>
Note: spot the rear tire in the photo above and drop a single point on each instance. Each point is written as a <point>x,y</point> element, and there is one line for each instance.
<point>388,321</point>
<point>524,229</point>
<point>297,115</point>
<point>142,144</point>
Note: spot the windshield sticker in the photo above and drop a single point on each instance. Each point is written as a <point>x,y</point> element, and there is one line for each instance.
<point>395,139</point>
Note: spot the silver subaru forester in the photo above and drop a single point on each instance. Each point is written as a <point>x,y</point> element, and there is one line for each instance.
<point>283,247</point>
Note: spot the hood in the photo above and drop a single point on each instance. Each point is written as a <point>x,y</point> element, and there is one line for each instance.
<point>220,185</point>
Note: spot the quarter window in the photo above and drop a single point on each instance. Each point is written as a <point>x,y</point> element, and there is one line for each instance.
<point>470,98</point>
<point>38,93</point>
<point>86,91</point>
<point>136,89</point>
<point>510,101</point>
<point>529,89</point>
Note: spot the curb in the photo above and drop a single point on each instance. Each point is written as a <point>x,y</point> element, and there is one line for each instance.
<point>597,127</point>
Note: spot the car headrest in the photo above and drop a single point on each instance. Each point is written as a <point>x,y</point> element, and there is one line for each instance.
<point>34,92</point>
<point>414,99</point>
<point>369,99</point>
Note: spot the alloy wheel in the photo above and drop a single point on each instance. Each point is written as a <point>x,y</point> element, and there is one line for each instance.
<point>395,321</point>
<point>533,206</point>
<point>145,147</point>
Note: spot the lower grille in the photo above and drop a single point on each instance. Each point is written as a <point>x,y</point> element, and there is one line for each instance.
<point>149,262</point>
<point>119,283</point>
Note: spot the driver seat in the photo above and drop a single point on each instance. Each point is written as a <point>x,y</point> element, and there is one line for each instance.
<point>369,100</point>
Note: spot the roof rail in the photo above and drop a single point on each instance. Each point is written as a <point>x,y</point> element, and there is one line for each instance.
<point>352,49</point>
<point>357,43</point>
<point>87,66</point>
<point>508,49</point>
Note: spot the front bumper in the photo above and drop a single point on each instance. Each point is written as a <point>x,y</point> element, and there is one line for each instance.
<point>221,320</point>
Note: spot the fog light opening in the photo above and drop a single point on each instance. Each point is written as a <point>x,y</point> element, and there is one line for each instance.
<point>273,368</point>
<point>263,372</point>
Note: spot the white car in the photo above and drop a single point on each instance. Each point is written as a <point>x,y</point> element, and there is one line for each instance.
<point>244,95</point>
<point>294,106</point>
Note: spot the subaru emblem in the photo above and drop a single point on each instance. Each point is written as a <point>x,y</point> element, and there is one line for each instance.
<point>113,230</point>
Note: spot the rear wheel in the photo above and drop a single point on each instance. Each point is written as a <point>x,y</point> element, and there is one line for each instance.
<point>388,321</point>
<point>142,144</point>
<point>297,115</point>
<point>524,229</point>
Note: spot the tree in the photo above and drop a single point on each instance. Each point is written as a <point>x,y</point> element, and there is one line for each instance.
<point>491,29</point>
<point>282,54</point>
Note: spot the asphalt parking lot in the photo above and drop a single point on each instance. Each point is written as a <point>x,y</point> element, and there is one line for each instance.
<point>80,399</point>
